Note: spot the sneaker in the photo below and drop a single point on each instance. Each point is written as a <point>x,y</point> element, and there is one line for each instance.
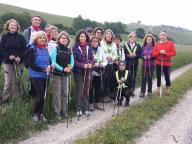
<point>57,116</point>
<point>150,94</point>
<point>87,113</point>
<point>79,113</point>
<point>35,118</point>
<point>141,95</point>
<point>42,118</point>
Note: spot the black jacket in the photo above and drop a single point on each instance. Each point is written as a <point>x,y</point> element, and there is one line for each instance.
<point>12,44</point>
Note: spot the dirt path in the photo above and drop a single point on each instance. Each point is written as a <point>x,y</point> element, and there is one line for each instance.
<point>174,128</point>
<point>60,134</point>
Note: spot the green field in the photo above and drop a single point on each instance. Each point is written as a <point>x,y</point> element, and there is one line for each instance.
<point>16,121</point>
<point>50,18</point>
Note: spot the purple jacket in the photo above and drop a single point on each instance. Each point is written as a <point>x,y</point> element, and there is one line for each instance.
<point>147,51</point>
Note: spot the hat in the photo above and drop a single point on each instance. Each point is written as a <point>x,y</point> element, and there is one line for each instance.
<point>88,29</point>
<point>122,62</point>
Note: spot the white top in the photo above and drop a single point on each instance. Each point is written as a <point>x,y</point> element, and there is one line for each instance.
<point>51,45</point>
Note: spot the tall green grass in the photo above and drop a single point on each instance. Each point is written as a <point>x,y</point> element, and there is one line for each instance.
<point>16,121</point>
<point>138,118</point>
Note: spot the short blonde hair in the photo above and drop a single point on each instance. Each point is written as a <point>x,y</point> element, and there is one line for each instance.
<point>38,35</point>
<point>64,33</point>
<point>132,34</point>
<point>112,38</point>
<point>6,25</point>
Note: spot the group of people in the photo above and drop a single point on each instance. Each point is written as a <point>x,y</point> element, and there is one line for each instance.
<point>103,70</point>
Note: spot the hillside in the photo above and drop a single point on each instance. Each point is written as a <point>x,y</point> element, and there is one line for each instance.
<point>50,18</point>
<point>180,35</point>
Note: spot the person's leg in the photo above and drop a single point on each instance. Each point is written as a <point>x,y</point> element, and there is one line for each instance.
<point>9,75</point>
<point>39,87</point>
<point>158,74</point>
<point>78,81</point>
<point>143,82</point>
<point>57,94</point>
<point>166,70</point>
<point>150,80</point>
<point>64,93</point>
<point>127,94</point>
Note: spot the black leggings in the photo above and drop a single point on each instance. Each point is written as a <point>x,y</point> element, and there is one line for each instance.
<point>39,85</point>
<point>166,71</point>
<point>147,76</point>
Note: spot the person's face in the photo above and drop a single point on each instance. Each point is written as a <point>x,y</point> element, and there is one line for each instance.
<point>99,34</point>
<point>94,43</point>
<point>122,67</point>
<point>41,40</point>
<point>36,21</point>
<point>54,34</point>
<point>48,30</point>
<point>132,39</point>
<point>90,33</point>
<point>82,38</point>
<point>63,40</point>
<point>117,41</point>
<point>12,26</point>
<point>163,36</point>
<point>149,40</point>
<point>108,36</point>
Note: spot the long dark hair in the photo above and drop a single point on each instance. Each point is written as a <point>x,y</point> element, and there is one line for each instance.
<point>145,39</point>
<point>77,41</point>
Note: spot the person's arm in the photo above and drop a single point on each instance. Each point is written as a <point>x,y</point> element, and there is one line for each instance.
<point>104,58</point>
<point>32,64</point>
<point>5,53</point>
<point>138,51</point>
<point>72,61</point>
<point>77,63</point>
<point>114,52</point>
<point>172,52</point>
<point>26,36</point>
<point>53,59</point>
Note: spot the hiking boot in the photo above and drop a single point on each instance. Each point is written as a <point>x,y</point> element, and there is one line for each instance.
<point>58,116</point>
<point>87,113</point>
<point>127,102</point>
<point>167,91</point>
<point>42,118</point>
<point>141,95</point>
<point>92,107</point>
<point>35,118</point>
<point>79,113</point>
<point>150,94</point>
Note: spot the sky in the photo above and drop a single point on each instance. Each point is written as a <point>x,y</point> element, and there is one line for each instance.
<point>149,12</point>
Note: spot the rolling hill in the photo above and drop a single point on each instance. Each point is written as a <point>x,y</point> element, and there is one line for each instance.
<point>50,18</point>
<point>180,35</point>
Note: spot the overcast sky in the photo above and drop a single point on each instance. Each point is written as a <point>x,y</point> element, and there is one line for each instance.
<point>150,12</point>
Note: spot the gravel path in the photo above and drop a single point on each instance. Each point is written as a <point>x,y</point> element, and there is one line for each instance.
<point>60,134</point>
<point>174,128</point>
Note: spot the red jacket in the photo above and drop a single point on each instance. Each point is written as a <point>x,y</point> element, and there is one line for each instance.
<point>170,50</point>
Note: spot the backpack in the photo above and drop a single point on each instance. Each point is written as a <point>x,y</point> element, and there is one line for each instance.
<point>27,55</point>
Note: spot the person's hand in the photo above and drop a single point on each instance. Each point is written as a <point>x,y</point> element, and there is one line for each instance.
<point>48,69</point>
<point>67,69</point>
<point>17,60</point>
<point>85,66</point>
<point>52,66</point>
<point>96,65</point>
<point>122,79</point>
<point>133,55</point>
<point>162,51</point>
<point>148,57</point>
<point>145,57</point>
<point>89,66</point>
<point>101,65</point>
<point>11,57</point>
<point>119,81</point>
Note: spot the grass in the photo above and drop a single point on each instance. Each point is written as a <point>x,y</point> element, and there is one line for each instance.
<point>138,118</point>
<point>16,122</point>
<point>50,18</point>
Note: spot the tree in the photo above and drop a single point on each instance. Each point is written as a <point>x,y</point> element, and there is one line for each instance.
<point>140,33</point>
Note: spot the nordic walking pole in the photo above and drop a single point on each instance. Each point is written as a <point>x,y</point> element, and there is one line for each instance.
<point>116,99</point>
<point>47,84</point>
<point>67,99</point>
<point>161,87</point>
